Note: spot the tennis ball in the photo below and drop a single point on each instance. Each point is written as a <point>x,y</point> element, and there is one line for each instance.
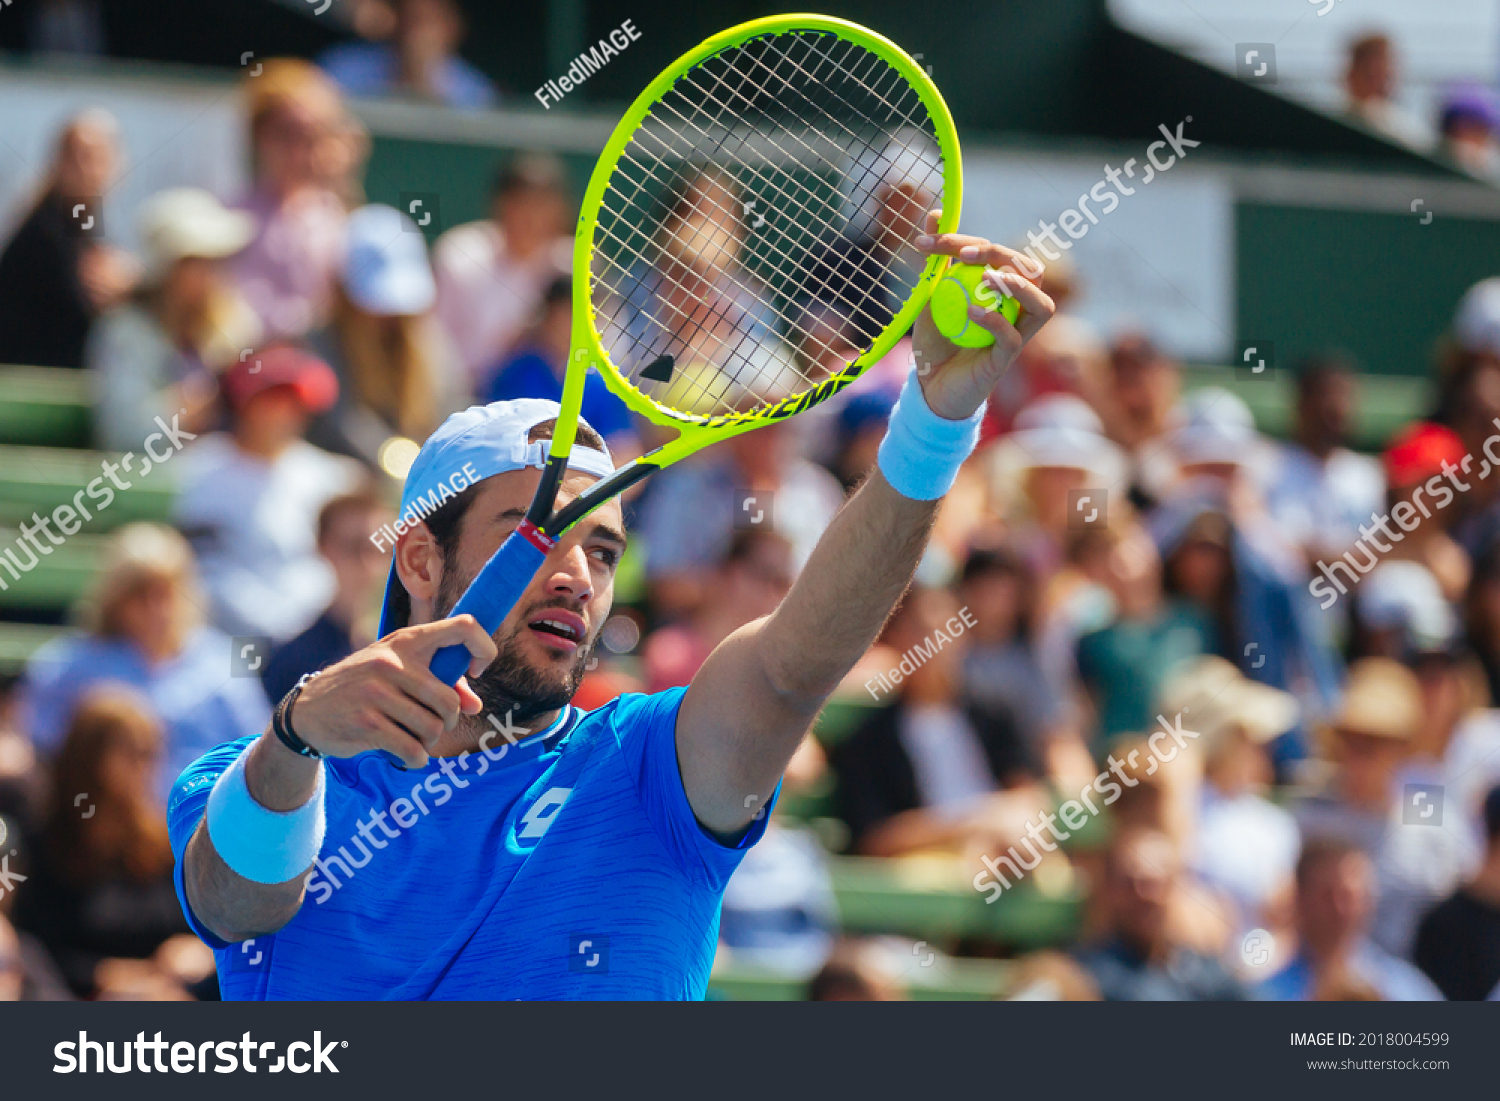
<point>958,287</point>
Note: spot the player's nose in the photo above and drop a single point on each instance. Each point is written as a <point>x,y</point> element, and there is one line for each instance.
<point>571,576</point>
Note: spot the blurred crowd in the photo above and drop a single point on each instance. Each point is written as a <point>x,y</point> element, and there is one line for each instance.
<point>1466,130</point>
<point>1125,557</point>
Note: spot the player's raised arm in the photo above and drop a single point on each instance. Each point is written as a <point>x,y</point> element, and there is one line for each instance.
<point>758,693</point>
<point>245,866</point>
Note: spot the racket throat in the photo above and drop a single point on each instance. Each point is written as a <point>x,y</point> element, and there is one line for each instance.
<point>540,511</point>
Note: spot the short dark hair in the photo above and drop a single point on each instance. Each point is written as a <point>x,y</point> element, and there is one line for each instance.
<point>446,522</point>
<point>1318,852</point>
<point>1319,367</point>
<point>531,171</point>
<point>361,502</point>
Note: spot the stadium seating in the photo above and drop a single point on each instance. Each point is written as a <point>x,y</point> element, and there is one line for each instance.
<point>43,407</point>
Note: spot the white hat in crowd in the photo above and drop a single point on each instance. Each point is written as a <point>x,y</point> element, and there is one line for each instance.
<point>184,222</point>
<point>385,270</point>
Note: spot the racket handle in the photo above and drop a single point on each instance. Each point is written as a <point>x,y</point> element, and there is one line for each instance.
<point>492,594</point>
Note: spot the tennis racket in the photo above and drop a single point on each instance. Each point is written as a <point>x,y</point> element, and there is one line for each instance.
<point>743,253</point>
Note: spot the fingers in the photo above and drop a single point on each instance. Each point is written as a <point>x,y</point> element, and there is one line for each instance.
<point>1036,307</point>
<point>464,630</point>
<point>416,720</point>
<point>382,733</point>
<point>469,703</point>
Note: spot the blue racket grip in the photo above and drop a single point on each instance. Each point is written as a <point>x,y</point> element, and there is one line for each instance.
<point>493,593</point>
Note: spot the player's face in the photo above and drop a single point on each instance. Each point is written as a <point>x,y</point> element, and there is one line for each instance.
<point>546,641</point>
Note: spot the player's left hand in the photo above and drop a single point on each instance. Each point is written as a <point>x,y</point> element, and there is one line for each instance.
<point>956,381</point>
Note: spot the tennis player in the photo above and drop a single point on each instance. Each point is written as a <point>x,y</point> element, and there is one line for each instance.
<point>499,842</point>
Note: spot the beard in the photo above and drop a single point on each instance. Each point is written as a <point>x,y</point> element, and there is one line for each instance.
<point>512,685</point>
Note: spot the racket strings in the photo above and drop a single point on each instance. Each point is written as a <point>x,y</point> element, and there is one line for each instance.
<point>799,202</point>
<point>812,128</point>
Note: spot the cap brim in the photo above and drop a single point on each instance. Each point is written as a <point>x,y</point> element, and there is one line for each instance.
<point>387,610</point>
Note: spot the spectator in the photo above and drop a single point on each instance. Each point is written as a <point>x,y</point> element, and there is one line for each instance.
<point>300,144</point>
<point>143,632</point>
<point>1263,619</point>
<point>1137,960</point>
<point>779,909</point>
<point>250,497</point>
<point>1476,322</point>
<point>1057,451</point>
<point>691,512</point>
<point>693,316</point>
<point>1420,453</point>
<point>421,62</point>
<point>1470,405</point>
<point>853,974</point>
<point>1481,616</point>
<point>397,375</point>
<point>100,884</point>
<point>751,581</point>
<point>492,274</point>
<point>159,354</point>
<point>69,27</point>
<point>1124,664</point>
<point>1318,491</point>
<point>1367,742</point>
<point>28,972</point>
<point>875,259</point>
<point>860,428</point>
<point>1336,890</point>
<point>1141,394</point>
<point>1470,127</point>
<point>1458,942</point>
<point>1370,81</point>
<point>20,779</point>
<point>1244,845</point>
<point>539,364</point>
<point>924,771</point>
<point>346,527</point>
<point>57,274</point>
<point>1001,670</point>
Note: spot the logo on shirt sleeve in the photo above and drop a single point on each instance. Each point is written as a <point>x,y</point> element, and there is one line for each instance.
<point>535,822</point>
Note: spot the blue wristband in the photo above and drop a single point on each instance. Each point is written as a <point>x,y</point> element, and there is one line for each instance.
<point>921,452</point>
<point>261,845</point>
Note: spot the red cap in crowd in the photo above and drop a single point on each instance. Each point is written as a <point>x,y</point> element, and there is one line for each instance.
<point>1419,452</point>
<point>282,365</point>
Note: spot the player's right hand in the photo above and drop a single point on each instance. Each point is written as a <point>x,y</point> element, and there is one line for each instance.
<point>385,696</point>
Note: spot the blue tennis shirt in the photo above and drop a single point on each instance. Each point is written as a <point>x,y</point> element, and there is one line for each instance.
<point>569,866</point>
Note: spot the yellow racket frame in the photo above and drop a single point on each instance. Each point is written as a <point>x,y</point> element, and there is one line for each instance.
<point>696,431</point>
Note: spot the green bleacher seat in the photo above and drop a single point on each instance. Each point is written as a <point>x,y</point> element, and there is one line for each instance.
<point>57,580</point>
<point>41,478</point>
<point>931,899</point>
<point>18,641</point>
<point>954,980</point>
<point>1386,403</point>
<point>44,407</point>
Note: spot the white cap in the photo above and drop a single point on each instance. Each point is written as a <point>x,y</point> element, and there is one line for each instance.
<point>1216,427</point>
<point>187,221</point>
<point>1062,430</point>
<point>385,269</point>
<point>1476,325</point>
<point>1406,595</point>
